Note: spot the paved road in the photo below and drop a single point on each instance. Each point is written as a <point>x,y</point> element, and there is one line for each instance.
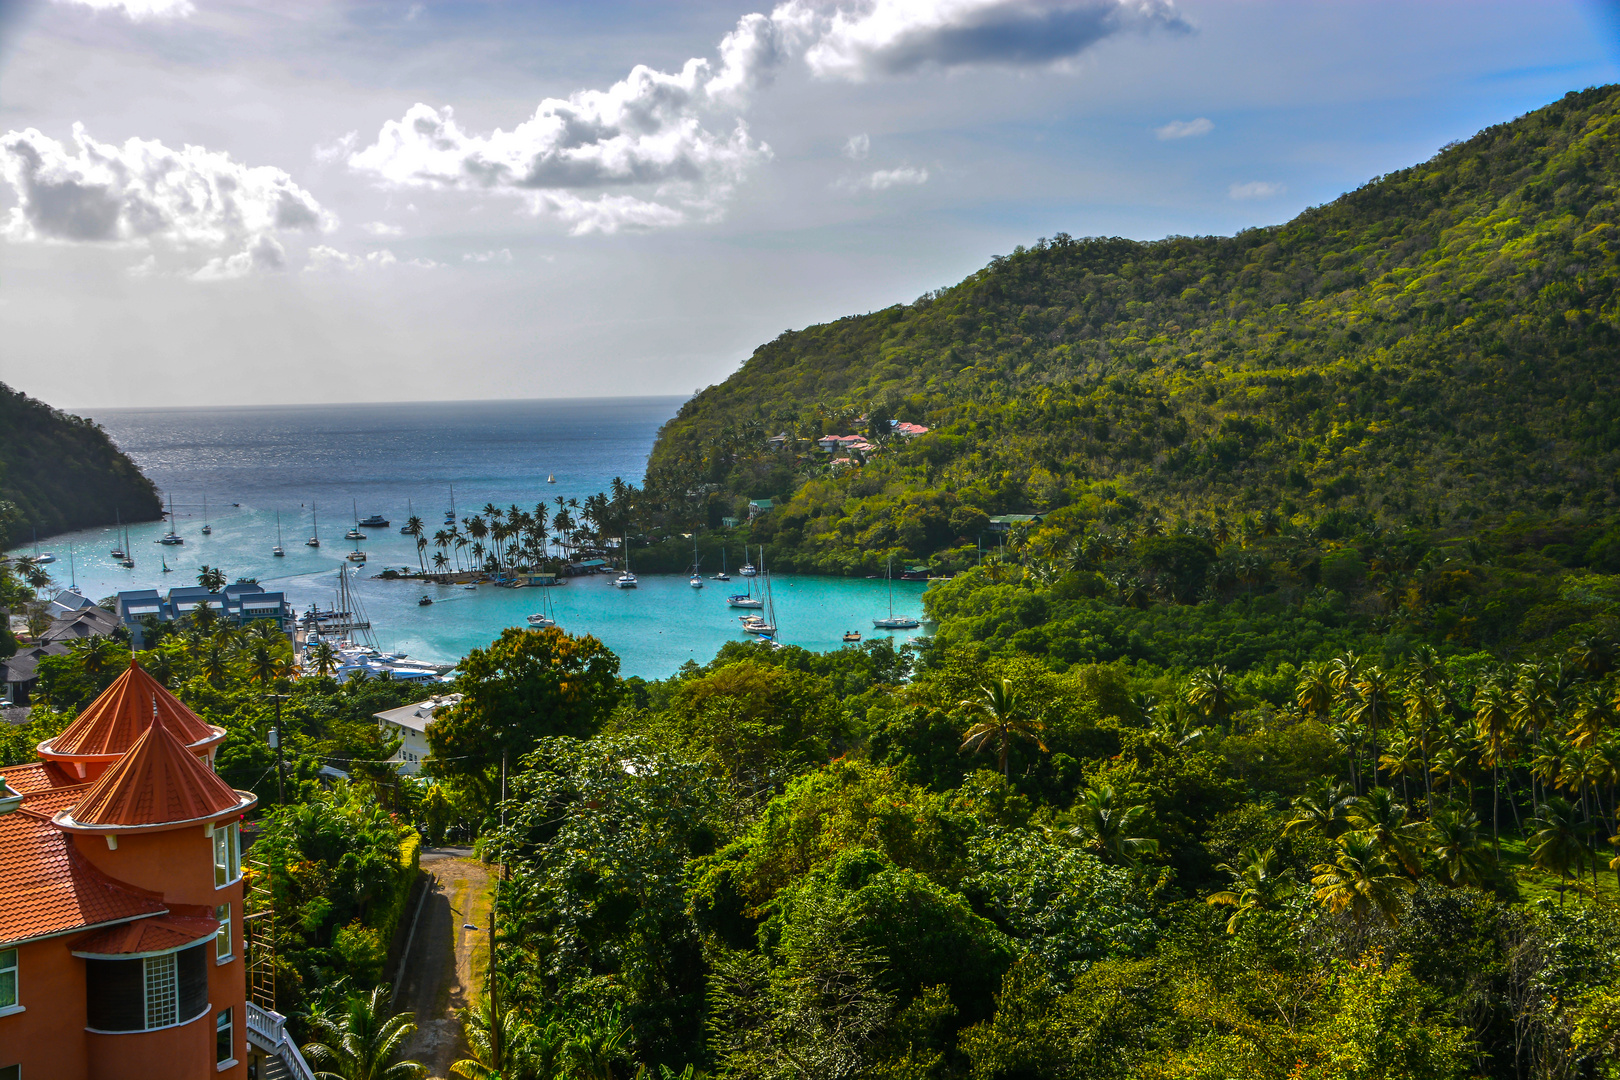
<point>437,970</point>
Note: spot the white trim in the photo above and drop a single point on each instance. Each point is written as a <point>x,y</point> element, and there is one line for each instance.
<point>147,1031</point>
<point>222,1066</point>
<point>140,955</point>
<point>221,961</point>
<point>12,1010</point>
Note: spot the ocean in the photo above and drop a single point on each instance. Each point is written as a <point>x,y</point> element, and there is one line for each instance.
<point>320,467</point>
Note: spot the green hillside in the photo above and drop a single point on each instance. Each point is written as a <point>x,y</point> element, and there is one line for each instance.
<point>60,472</point>
<point>1432,349</point>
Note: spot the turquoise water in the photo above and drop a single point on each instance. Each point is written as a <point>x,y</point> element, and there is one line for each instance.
<point>384,458</point>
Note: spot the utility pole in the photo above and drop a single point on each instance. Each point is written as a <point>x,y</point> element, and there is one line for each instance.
<point>281,791</point>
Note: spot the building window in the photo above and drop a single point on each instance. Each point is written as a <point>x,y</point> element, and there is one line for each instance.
<point>227,853</point>
<point>162,992</point>
<point>222,943</point>
<point>224,1044</point>
<point>10,1072</point>
<point>8,979</point>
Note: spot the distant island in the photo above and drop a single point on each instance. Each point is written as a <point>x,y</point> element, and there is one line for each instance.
<point>60,472</point>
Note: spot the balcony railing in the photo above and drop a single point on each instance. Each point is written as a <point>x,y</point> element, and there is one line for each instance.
<point>268,1031</point>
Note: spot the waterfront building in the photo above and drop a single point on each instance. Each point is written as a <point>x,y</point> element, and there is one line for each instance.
<point>122,953</point>
<point>409,724</point>
<point>240,603</point>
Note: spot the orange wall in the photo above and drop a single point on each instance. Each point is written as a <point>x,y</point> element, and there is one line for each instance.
<point>179,863</point>
<point>177,1053</point>
<point>47,1039</point>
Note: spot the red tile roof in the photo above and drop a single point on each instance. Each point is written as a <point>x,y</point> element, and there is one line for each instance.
<point>158,934</point>
<point>49,888</point>
<point>38,776</point>
<point>157,782</point>
<point>112,723</point>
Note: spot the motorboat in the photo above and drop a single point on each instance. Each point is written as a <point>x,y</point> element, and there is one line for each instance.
<point>375,521</point>
<point>424,602</point>
<point>748,570</point>
<point>470,588</point>
<point>760,627</point>
<point>852,636</point>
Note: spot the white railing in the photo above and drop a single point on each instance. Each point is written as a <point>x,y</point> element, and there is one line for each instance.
<point>268,1030</point>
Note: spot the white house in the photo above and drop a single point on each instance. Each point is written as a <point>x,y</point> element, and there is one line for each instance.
<point>409,724</point>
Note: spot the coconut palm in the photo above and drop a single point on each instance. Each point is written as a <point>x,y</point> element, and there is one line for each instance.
<point>1374,704</point>
<point>596,1045</point>
<point>1493,719</point>
<point>365,1044</point>
<point>1109,830</point>
<point>1000,705</point>
<point>265,665</point>
<point>1361,881</point>
<point>1209,690</point>
<point>1314,692</point>
<point>1458,847</point>
<point>1325,807</point>
<point>1555,846</point>
<point>1384,821</point>
<point>323,658</point>
<point>1257,885</point>
<point>94,655</point>
<point>211,578</point>
<point>525,1052</point>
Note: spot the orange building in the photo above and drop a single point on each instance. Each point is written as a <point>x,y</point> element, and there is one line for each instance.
<point>121,947</point>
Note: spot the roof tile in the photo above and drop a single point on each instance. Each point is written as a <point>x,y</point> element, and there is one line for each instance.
<point>112,723</point>
<point>157,782</point>
<point>49,888</point>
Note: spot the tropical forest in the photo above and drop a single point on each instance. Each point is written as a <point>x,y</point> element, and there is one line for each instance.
<point>1267,724</point>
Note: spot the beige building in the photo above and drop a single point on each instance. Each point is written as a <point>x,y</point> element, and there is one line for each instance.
<point>409,724</point>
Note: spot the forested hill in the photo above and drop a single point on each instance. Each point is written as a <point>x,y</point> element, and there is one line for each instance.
<point>1436,346</point>
<point>60,472</point>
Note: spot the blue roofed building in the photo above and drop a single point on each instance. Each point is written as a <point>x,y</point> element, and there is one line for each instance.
<point>241,603</point>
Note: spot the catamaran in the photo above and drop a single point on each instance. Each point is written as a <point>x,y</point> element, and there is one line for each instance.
<point>277,549</point>
<point>893,623</point>
<point>355,534</point>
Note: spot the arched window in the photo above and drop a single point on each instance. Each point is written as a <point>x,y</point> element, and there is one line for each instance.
<point>144,993</point>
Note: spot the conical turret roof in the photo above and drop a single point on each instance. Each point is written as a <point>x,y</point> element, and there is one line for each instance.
<point>112,723</point>
<point>158,782</point>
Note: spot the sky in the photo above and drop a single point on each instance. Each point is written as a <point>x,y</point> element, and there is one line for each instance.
<point>223,202</point>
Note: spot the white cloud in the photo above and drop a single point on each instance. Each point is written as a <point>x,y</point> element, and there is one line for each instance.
<point>382,228</point>
<point>858,147</point>
<point>146,268</point>
<point>883,179</point>
<point>142,193</point>
<point>1256,189</point>
<point>504,255</point>
<point>1185,129</point>
<point>263,253</point>
<point>674,139</point>
<point>897,37</point>
<point>139,9</point>
<point>330,259</point>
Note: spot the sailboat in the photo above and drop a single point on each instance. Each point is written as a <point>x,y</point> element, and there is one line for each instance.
<point>171,538</point>
<point>748,569</point>
<point>118,537</point>
<point>450,514</point>
<point>722,575</point>
<point>128,560</point>
<point>277,551</point>
<point>551,479</point>
<point>696,581</point>
<point>314,529</point>
<point>167,569</point>
<point>410,512</point>
<point>547,616</point>
<point>626,580</point>
<point>892,623</point>
<point>747,599</point>
<point>763,627</point>
<point>207,529</point>
<point>355,534</point>
<point>41,557</point>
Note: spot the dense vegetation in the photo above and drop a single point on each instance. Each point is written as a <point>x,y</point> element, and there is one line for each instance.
<point>60,472</point>
<point>1435,348</point>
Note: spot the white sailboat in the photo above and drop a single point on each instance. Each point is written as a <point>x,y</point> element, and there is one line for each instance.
<point>171,538</point>
<point>354,533</point>
<point>207,529</point>
<point>893,623</point>
<point>410,512</point>
<point>277,551</point>
<point>118,537</point>
<point>626,580</point>
<point>696,580</point>
<point>747,599</point>
<point>722,575</point>
<point>314,529</point>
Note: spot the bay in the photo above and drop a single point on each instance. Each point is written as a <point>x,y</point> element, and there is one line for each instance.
<point>329,464</point>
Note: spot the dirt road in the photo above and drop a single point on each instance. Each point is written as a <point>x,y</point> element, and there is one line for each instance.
<point>439,978</point>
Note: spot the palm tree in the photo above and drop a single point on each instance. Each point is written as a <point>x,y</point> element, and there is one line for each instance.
<point>365,1044</point>
<point>1325,807</point>
<point>211,578</point>
<point>1493,714</point>
<point>421,549</point>
<point>1109,830</point>
<point>523,1052</point>
<point>1384,821</point>
<point>1556,845</point>
<point>1314,692</point>
<point>1256,885</point>
<point>1457,847</point>
<point>1000,704</point>
<point>324,658</point>
<point>597,1045</point>
<point>1374,702</point>
<point>265,665</point>
<point>1361,880</point>
<point>1210,691</point>
<point>94,656</point>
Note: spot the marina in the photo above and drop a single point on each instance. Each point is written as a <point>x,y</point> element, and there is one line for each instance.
<point>259,468</point>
